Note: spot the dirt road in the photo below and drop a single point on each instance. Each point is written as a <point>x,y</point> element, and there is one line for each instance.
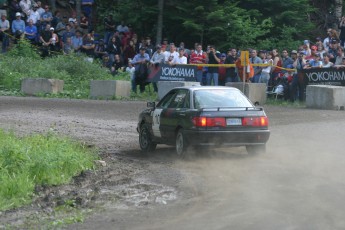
<point>297,184</point>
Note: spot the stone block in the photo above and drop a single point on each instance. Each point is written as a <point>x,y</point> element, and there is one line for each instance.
<point>107,89</point>
<point>256,92</point>
<point>325,97</point>
<point>33,86</point>
<point>165,86</point>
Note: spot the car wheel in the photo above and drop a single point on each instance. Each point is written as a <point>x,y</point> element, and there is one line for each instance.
<point>256,149</point>
<point>145,140</point>
<point>181,143</point>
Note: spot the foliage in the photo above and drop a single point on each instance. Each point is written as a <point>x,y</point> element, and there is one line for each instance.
<point>74,70</point>
<point>37,160</point>
<point>242,24</point>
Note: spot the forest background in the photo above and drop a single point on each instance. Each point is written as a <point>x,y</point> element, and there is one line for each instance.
<point>263,24</point>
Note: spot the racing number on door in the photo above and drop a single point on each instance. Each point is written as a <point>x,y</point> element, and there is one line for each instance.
<point>156,120</point>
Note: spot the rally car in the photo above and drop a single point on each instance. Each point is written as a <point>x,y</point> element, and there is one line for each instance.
<point>198,116</point>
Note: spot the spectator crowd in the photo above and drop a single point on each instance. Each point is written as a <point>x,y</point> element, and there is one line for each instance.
<point>119,48</point>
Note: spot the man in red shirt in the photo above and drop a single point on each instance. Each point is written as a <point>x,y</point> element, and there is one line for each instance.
<point>198,57</point>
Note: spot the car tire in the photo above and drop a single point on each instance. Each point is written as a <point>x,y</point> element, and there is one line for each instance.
<point>181,144</point>
<point>256,149</point>
<point>145,140</point>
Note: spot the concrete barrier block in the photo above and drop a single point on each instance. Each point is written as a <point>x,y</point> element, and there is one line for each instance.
<point>109,89</point>
<point>33,86</point>
<point>256,92</point>
<point>165,86</point>
<point>325,97</point>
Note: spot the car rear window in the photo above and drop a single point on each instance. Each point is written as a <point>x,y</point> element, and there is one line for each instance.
<point>211,98</point>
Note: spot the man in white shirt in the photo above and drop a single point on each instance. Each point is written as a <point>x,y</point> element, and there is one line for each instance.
<point>181,59</point>
<point>171,56</point>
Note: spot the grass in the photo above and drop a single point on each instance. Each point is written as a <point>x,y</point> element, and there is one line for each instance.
<point>37,160</point>
<point>285,103</point>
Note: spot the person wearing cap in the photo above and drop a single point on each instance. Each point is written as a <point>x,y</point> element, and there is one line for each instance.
<point>31,32</point>
<point>54,41</point>
<point>18,27</point>
<point>332,51</point>
<point>158,56</point>
<point>141,71</point>
<point>4,29</point>
<point>222,70</point>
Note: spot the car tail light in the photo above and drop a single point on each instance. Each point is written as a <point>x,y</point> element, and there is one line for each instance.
<point>209,121</point>
<point>255,121</point>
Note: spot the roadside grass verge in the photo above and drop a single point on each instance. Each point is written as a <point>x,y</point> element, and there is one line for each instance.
<point>37,160</point>
<point>285,103</point>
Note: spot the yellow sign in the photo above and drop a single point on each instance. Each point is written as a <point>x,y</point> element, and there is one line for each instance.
<point>244,58</point>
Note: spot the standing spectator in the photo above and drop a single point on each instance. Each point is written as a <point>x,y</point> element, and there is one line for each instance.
<point>172,55</point>
<point>46,17</point>
<point>25,5</point>
<point>129,52</point>
<point>286,60</point>
<point>100,49</point>
<point>313,53</point>
<point>340,56</point>
<point>84,23</point>
<point>277,63</point>
<point>113,49</point>
<point>198,57</point>
<point>77,42</point>
<point>181,59</point>
<point>67,46</point>
<point>327,40</point>
<point>321,50</point>
<point>40,10</point>
<point>14,8</point>
<point>4,29</point>
<point>254,59</point>
<point>18,27</point>
<point>141,72</point>
<point>222,70</point>
<point>34,16</point>
<point>332,51</point>
<point>231,75</point>
<point>326,61</point>
<point>45,39</point>
<point>158,57</point>
<point>88,46</point>
<point>31,32</point>
<point>149,46</point>
<point>342,31</point>
<point>86,7</point>
<point>212,73</point>
<point>56,18</point>
<point>122,28</point>
<point>266,71</point>
<point>54,44</point>
<point>67,34</point>
<point>297,85</point>
<point>109,28</point>
<point>131,70</point>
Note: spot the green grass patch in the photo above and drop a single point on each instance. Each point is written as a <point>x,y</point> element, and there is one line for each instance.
<point>37,160</point>
<point>285,103</point>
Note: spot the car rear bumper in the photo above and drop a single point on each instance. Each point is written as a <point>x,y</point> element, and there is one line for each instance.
<point>232,138</point>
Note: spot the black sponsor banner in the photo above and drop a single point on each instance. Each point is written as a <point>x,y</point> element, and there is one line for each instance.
<point>324,76</point>
<point>165,72</point>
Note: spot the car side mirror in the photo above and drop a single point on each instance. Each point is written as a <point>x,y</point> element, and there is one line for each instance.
<point>151,104</point>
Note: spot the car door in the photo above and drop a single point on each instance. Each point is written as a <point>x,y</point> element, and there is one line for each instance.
<point>158,128</point>
<point>175,113</point>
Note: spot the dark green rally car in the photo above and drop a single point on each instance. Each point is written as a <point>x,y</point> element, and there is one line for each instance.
<point>199,116</point>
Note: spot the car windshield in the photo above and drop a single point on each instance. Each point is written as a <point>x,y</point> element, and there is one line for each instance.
<point>214,98</point>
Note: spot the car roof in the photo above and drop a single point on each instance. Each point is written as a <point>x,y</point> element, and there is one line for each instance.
<point>198,87</point>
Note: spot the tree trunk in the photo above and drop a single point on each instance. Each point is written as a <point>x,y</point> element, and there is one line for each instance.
<point>78,9</point>
<point>338,9</point>
<point>52,4</point>
<point>160,22</point>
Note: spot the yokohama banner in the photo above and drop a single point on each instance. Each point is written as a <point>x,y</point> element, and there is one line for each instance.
<point>172,73</point>
<point>326,76</point>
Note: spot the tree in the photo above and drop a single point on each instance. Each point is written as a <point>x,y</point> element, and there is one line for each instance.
<point>160,21</point>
